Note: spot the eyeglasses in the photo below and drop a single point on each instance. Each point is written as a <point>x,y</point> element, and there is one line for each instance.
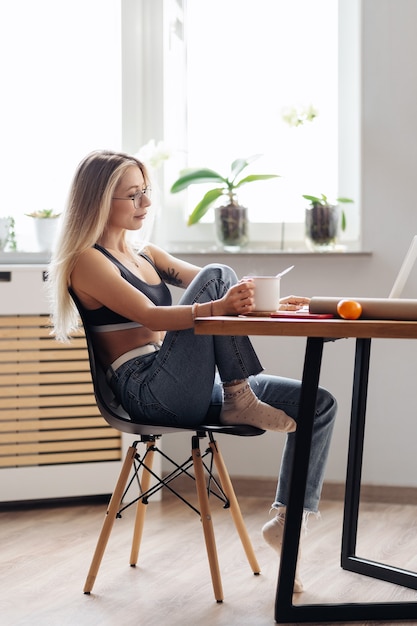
<point>137,197</point>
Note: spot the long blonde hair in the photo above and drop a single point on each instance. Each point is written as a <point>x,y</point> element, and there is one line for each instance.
<point>83,223</point>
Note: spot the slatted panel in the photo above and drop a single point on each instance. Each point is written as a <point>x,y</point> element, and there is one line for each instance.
<point>48,414</point>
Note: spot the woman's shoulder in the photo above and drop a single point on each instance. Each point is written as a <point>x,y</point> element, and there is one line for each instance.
<point>150,249</point>
<point>156,254</point>
<point>91,260</point>
<point>92,273</point>
<point>90,255</point>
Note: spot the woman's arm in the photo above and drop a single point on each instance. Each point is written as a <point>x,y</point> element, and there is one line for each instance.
<point>174,271</point>
<point>98,282</point>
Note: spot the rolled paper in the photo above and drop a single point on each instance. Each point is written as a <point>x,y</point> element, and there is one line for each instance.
<point>372,308</point>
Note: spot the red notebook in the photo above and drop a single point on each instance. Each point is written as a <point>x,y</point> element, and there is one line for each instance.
<point>301,315</point>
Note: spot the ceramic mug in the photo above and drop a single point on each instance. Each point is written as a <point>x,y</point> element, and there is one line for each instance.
<point>267,292</point>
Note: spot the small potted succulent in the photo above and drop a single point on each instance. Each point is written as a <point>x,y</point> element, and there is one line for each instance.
<point>44,214</point>
<point>231,218</point>
<point>322,220</point>
<point>46,222</point>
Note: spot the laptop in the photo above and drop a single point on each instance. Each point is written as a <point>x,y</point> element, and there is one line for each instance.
<point>405,270</point>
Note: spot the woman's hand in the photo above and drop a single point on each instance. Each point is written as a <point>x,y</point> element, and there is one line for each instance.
<point>238,300</point>
<point>293,303</point>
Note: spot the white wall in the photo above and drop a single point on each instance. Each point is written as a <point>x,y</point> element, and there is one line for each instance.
<point>388,157</point>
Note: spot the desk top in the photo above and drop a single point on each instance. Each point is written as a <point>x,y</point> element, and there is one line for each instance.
<point>329,328</point>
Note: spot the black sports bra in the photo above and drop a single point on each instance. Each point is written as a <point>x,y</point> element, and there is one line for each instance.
<point>104,320</point>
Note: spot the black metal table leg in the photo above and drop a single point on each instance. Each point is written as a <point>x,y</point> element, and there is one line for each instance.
<point>310,382</point>
<point>349,560</point>
<point>355,450</point>
<point>285,610</point>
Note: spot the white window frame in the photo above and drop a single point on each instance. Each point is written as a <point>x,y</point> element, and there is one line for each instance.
<point>151,32</point>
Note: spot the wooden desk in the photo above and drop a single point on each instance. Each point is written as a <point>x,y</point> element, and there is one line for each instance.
<point>317,333</point>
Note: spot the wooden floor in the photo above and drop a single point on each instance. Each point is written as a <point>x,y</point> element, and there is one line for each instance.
<point>45,555</point>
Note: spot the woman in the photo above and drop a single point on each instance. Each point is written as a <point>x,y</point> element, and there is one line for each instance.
<point>162,372</point>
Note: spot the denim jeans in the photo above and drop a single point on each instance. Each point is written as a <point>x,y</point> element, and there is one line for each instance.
<point>180,385</point>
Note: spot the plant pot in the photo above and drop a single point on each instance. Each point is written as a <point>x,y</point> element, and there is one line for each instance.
<point>232,226</point>
<point>46,228</point>
<point>322,227</point>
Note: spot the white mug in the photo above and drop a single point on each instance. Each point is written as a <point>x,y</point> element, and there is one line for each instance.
<point>267,292</point>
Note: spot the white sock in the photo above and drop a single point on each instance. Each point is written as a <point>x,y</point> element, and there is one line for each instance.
<point>273,532</point>
<point>241,406</point>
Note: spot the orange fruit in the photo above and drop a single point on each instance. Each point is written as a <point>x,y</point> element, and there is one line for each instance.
<point>349,309</point>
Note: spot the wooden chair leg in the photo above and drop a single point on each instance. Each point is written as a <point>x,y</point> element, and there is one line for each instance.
<point>235,511</point>
<point>141,507</point>
<point>206,519</point>
<point>111,513</point>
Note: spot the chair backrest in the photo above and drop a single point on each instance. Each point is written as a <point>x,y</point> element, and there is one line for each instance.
<point>118,418</point>
<point>108,406</point>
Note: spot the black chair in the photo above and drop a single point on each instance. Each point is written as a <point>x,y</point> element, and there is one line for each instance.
<point>137,470</point>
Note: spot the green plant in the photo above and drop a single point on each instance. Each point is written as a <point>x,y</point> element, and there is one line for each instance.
<point>12,235</point>
<point>10,239</point>
<point>228,185</point>
<point>43,214</point>
<point>317,201</point>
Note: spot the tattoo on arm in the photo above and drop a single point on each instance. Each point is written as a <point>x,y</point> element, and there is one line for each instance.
<point>171,277</point>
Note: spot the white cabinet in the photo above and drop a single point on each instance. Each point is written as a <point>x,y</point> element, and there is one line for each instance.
<point>53,441</point>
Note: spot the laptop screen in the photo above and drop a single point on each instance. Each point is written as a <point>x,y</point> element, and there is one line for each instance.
<point>405,270</point>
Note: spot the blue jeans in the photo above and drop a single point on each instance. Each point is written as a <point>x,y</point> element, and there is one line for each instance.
<point>180,385</point>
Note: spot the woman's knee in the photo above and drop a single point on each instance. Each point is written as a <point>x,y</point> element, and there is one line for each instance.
<point>221,271</point>
<point>216,279</point>
<point>211,283</point>
<point>326,404</point>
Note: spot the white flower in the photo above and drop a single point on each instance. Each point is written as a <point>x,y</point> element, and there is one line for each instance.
<point>296,116</point>
<point>153,154</point>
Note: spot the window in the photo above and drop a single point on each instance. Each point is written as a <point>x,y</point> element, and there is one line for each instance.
<point>209,77</point>
<point>244,75</point>
<point>235,72</point>
<point>61,98</point>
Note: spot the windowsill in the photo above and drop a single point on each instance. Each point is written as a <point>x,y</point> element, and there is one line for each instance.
<point>201,249</point>
<point>24,258</point>
<point>261,248</point>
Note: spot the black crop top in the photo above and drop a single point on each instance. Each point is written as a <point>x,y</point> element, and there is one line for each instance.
<point>104,319</point>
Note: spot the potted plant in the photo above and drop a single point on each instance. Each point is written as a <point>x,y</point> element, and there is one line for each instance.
<point>46,221</point>
<point>7,233</point>
<point>231,218</point>
<point>322,221</point>
<point>44,214</point>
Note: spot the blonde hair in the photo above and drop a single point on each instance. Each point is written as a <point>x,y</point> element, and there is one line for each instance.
<point>83,223</point>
